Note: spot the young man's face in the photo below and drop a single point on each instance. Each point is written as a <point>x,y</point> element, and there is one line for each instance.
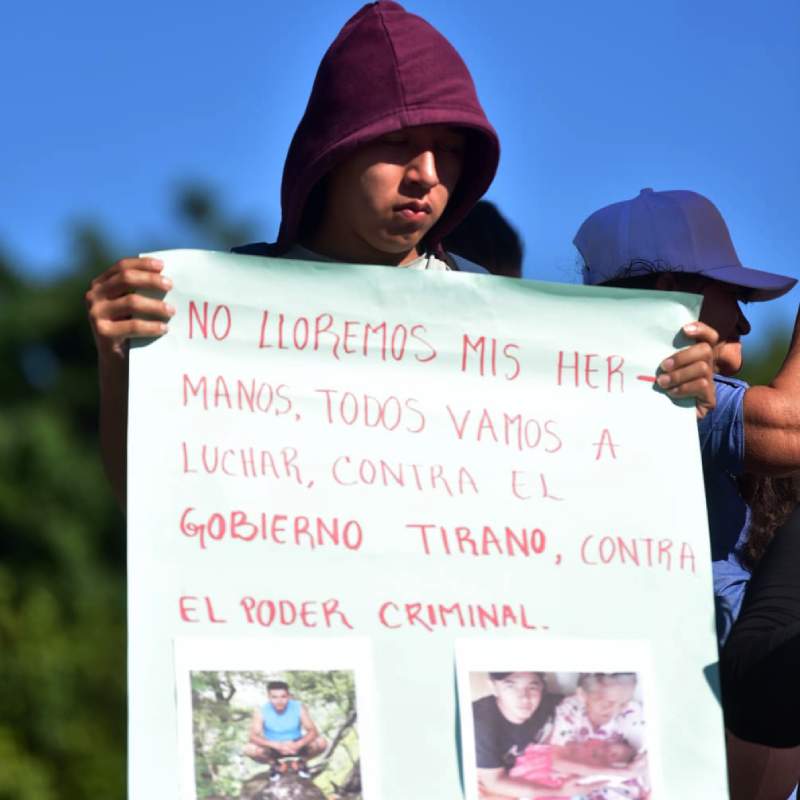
<point>720,310</point>
<point>518,695</point>
<point>279,699</point>
<point>604,702</point>
<point>385,198</point>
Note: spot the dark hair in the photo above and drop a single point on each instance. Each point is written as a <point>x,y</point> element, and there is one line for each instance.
<point>771,500</point>
<point>277,686</point>
<point>501,676</point>
<point>643,274</point>
<point>486,237</point>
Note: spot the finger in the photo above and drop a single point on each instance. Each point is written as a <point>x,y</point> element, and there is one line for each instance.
<point>131,328</point>
<point>144,264</point>
<point>133,305</point>
<point>676,377</point>
<point>130,280</point>
<point>700,353</point>
<point>148,264</point>
<point>701,332</point>
<point>700,388</point>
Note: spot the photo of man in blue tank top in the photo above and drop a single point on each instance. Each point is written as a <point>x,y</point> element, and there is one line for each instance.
<point>282,729</point>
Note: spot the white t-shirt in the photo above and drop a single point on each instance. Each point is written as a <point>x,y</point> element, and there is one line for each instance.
<point>426,261</point>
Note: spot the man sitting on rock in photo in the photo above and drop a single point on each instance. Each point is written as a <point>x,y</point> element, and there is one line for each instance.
<point>282,728</point>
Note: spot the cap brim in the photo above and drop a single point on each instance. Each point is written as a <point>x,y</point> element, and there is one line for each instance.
<point>761,285</point>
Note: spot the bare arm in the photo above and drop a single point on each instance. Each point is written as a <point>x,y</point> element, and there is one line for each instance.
<point>309,728</point>
<point>772,418</point>
<point>117,314</point>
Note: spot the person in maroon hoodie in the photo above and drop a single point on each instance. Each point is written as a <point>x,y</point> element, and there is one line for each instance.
<point>391,154</point>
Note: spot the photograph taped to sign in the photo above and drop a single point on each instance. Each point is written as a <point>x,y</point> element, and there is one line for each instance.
<point>277,719</point>
<point>565,718</point>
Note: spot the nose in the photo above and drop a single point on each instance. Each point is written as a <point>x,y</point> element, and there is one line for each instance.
<point>743,324</point>
<point>422,169</point>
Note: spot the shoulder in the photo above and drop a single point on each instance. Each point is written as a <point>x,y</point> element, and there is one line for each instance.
<point>257,249</point>
<point>730,386</point>
<point>722,430</point>
<point>461,264</point>
<point>485,707</point>
<point>486,714</point>
<point>730,396</point>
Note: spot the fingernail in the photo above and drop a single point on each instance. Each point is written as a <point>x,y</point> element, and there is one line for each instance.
<point>166,283</point>
<point>164,327</point>
<point>690,327</point>
<point>674,391</point>
<point>663,381</point>
<point>156,262</point>
<point>170,309</point>
<point>667,364</point>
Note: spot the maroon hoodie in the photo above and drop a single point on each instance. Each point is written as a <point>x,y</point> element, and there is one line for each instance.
<point>386,70</point>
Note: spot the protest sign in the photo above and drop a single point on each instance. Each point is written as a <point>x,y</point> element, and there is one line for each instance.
<point>400,482</point>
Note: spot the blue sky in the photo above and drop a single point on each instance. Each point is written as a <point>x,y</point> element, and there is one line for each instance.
<point>109,107</point>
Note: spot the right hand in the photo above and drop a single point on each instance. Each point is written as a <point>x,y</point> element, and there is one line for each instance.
<point>118,313</point>
<point>690,372</point>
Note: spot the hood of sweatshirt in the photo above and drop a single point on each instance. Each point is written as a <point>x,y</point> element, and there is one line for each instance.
<point>386,70</point>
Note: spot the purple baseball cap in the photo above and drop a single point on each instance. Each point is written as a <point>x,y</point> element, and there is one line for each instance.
<point>675,231</point>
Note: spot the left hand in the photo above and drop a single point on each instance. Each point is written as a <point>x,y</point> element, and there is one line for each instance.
<point>690,372</point>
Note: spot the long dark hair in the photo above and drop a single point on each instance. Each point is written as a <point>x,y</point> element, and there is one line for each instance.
<point>771,501</point>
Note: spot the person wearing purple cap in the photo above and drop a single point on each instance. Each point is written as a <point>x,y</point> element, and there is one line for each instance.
<point>392,152</point>
<point>678,241</point>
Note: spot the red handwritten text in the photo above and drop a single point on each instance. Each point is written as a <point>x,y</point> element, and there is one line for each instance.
<point>430,616</point>
<point>483,541</point>
<point>353,471</point>
<point>289,613</point>
<point>637,552</point>
<point>236,395</point>
<point>580,369</point>
<point>339,337</point>
<point>280,529</point>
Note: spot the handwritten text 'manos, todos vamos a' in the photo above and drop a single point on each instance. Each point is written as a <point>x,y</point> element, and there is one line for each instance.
<point>339,338</point>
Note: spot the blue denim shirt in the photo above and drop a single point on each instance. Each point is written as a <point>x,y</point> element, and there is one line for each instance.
<point>722,447</point>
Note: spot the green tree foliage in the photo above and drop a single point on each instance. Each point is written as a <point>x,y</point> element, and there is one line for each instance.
<point>62,540</point>
<point>761,364</point>
<point>222,709</point>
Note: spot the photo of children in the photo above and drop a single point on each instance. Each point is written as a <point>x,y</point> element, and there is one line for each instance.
<point>559,736</point>
<point>275,735</point>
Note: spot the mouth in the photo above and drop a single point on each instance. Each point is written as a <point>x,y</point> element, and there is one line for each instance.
<point>414,211</point>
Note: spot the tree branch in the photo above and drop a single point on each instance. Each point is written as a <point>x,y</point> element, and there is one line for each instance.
<point>334,743</point>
